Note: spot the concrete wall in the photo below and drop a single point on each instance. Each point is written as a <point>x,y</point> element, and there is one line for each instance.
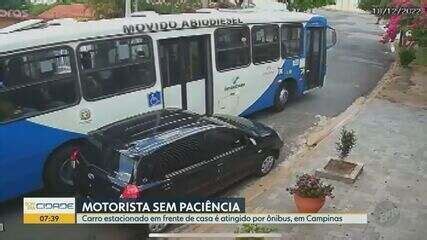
<point>43,1</point>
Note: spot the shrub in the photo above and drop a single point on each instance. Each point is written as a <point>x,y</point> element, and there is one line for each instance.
<point>406,56</point>
<point>309,186</point>
<point>253,228</point>
<point>346,142</point>
<point>418,29</point>
<point>304,5</point>
<point>367,5</point>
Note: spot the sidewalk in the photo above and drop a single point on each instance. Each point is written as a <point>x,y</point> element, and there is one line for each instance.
<point>391,127</point>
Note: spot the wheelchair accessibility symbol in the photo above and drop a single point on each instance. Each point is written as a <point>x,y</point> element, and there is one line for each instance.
<point>154,98</point>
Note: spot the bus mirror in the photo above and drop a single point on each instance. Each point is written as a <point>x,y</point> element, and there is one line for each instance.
<point>331,37</point>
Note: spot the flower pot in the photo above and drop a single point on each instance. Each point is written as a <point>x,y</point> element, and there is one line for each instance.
<point>308,205</point>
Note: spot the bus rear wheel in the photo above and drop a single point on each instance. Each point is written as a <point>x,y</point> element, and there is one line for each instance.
<point>282,97</point>
<point>59,173</point>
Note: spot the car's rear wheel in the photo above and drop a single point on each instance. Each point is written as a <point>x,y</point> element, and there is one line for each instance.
<point>266,164</point>
<point>59,173</point>
<point>157,228</point>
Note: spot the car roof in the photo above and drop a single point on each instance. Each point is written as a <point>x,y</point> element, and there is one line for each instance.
<point>144,133</point>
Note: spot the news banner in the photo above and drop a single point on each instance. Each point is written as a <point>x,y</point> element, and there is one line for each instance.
<point>177,211</point>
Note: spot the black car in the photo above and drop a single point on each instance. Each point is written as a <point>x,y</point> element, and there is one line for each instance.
<point>173,153</point>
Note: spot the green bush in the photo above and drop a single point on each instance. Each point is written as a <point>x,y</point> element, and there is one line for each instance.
<point>253,228</point>
<point>367,5</point>
<point>346,142</point>
<point>170,7</point>
<point>406,56</point>
<point>420,36</point>
<point>304,5</point>
<point>421,55</point>
<point>37,9</point>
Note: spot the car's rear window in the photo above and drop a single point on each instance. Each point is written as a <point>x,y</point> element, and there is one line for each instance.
<point>122,167</point>
<point>245,124</point>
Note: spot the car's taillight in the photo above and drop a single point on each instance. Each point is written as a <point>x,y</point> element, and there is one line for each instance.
<point>74,157</point>
<point>131,191</point>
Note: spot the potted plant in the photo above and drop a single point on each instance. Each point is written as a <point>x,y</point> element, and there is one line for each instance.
<point>310,193</point>
<point>339,168</point>
<point>346,142</point>
<point>253,228</point>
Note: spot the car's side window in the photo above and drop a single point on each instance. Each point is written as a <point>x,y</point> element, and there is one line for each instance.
<point>224,140</point>
<point>178,156</point>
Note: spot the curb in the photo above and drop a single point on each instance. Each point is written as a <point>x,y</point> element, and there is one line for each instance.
<point>315,137</point>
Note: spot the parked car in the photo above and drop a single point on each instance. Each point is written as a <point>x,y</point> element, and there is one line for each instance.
<point>173,153</point>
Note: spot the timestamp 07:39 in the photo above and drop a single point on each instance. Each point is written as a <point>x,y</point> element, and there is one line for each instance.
<point>49,218</point>
<point>46,218</point>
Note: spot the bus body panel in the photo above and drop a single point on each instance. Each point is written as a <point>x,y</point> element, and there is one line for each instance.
<point>291,70</point>
<point>25,146</point>
<point>53,130</point>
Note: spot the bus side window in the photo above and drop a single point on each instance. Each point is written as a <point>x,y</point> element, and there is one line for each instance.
<point>265,43</point>
<point>232,46</point>
<point>116,66</point>
<point>36,82</point>
<point>291,40</point>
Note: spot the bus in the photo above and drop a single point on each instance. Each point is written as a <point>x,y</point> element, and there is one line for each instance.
<point>61,79</point>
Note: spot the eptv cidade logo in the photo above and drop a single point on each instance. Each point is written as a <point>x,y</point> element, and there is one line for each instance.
<point>49,210</point>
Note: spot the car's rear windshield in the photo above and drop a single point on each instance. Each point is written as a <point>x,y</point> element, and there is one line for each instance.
<point>122,166</point>
<point>243,123</point>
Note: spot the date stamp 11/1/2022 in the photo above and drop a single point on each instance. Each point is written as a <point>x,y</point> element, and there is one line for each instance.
<point>384,11</point>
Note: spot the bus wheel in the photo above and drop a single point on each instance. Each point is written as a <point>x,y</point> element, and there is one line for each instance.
<point>282,97</point>
<point>59,173</point>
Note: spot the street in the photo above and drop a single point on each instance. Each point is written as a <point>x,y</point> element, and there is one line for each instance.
<point>355,65</point>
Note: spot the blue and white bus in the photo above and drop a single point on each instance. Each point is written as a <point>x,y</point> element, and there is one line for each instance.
<point>61,79</point>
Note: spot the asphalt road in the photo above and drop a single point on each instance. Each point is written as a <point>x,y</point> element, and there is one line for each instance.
<point>355,65</point>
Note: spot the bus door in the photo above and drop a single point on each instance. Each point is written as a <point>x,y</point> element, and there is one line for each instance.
<point>184,73</point>
<point>315,57</point>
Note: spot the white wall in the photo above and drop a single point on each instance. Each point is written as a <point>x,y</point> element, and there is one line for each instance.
<point>345,5</point>
<point>43,1</point>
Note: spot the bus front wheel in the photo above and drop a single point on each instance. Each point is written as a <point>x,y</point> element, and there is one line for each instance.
<point>282,97</point>
<point>59,172</point>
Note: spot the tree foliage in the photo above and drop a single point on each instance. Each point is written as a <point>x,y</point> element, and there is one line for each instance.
<point>304,5</point>
<point>13,4</point>
<point>37,9</point>
<point>107,8</point>
<point>171,6</point>
<point>368,5</point>
<point>116,8</point>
